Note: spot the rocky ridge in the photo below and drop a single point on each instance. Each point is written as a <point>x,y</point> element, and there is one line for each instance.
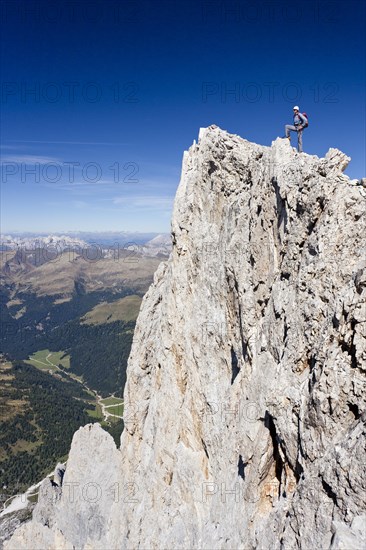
<point>245,403</point>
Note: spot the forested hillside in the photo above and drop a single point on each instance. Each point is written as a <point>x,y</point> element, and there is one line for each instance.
<point>38,416</point>
<point>44,398</point>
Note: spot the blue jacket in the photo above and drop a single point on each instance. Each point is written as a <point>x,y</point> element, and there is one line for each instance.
<point>299,119</point>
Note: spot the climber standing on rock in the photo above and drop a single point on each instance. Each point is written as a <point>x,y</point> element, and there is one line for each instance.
<point>300,122</point>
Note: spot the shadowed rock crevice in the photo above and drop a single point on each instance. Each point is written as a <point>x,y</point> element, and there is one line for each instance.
<point>349,346</point>
<point>279,463</point>
<point>234,365</point>
<point>282,217</point>
<point>329,492</point>
<point>354,410</point>
<point>241,467</point>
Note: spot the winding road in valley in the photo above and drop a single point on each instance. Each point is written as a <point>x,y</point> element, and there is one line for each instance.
<point>99,398</point>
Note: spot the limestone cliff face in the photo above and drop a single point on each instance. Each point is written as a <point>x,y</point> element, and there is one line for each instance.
<point>245,402</point>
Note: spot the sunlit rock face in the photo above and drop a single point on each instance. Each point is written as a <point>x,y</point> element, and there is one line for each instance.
<point>245,396</point>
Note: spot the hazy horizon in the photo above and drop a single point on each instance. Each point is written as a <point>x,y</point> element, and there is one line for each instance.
<point>73,231</point>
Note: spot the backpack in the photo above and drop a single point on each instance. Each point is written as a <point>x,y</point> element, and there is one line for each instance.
<point>307,120</point>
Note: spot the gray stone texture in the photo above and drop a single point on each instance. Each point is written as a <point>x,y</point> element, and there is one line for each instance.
<point>245,397</point>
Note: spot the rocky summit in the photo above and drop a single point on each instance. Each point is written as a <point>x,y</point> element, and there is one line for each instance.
<point>245,396</point>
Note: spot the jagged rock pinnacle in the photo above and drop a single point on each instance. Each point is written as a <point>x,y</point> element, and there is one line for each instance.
<point>244,402</point>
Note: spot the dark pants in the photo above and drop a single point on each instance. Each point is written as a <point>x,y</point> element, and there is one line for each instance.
<point>290,128</point>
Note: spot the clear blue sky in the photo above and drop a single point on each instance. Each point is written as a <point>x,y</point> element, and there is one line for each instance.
<point>128,85</point>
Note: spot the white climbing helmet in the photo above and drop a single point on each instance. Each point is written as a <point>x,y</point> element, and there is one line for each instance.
<point>296,108</point>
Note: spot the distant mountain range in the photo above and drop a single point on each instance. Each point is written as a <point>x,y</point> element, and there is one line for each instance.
<point>104,237</point>
<point>106,244</point>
